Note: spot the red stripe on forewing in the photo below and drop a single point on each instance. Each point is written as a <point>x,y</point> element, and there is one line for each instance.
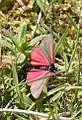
<point>37,57</point>
<point>52,51</point>
<point>36,78</point>
<point>34,74</point>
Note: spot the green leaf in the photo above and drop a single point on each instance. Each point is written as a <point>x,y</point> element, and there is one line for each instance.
<point>36,40</point>
<point>16,81</point>
<point>5,44</point>
<point>73,54</point>
<point>56,96</point>
<point>21,58</point>
<point>31,3</point>
<point>54,90</point>
<point>41,5</point>
<point>23,31</point>
<point>61,41</point>
<point>60,1</point>
<point>72,22</point>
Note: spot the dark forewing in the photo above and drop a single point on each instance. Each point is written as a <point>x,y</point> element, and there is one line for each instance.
<point>47,47</point>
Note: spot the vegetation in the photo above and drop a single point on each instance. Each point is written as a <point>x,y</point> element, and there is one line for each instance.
<point>21,22</point>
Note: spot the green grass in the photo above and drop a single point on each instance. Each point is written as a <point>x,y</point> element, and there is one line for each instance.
<point>15,47</point>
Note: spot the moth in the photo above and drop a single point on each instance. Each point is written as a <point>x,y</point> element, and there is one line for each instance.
<point>42,61</point>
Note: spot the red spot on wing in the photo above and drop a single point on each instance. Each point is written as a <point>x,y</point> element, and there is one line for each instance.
<point>38,58</point>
